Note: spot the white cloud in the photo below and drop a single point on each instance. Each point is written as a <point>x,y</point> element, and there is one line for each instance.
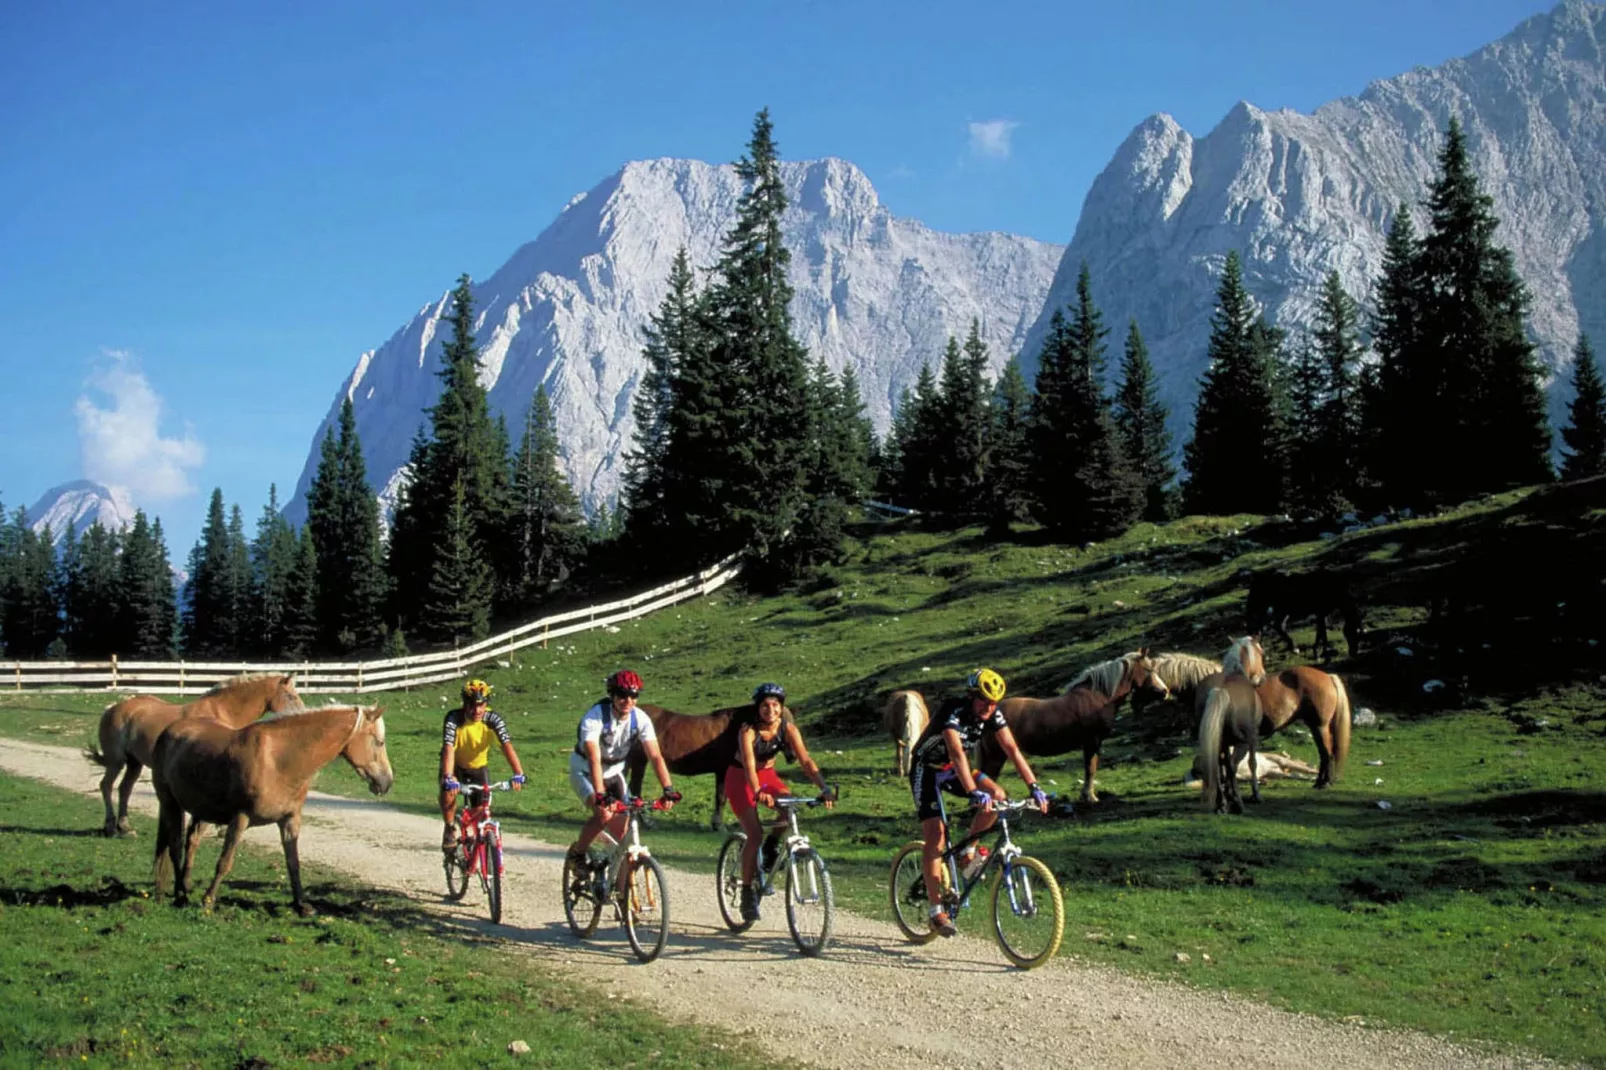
<point>122,446</point>
<point>992,138</point>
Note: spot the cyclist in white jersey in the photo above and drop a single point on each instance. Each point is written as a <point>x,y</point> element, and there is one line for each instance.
<point>596,768</point>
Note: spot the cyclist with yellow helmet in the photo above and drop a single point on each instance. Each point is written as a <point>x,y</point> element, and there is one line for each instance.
<point>939,764</point>
<point>466,752</point>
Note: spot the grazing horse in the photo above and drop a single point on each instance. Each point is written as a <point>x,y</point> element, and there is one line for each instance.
<point>693,744</point>
<point>1229,723</point>
<point>1081,717</point>
<point>1318,699</point>
<point>256,775</point>
<point>905,717</point>
<point>1181,674</point>
<point>1275,598</point>
<point>129,729</point>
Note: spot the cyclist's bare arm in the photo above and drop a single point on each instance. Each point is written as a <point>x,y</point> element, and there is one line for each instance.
<point>594,755</point>
<point>512,757</point>
<point>660,767</point>
<point>956,755</point>
<point>448,756</point>
<point>801,753</point>
<point>1012,751</point>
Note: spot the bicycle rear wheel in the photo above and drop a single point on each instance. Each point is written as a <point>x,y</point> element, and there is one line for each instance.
<point>908,894</point>
<point>728,882</point>
<point>493,879</point>
<point>1028,913</point>
<point>455,862</point>
<point>810,907</point>
<point>580,903</point>
<point>644,901</point>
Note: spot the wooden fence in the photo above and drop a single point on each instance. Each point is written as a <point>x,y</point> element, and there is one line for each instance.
<point>357,677</point>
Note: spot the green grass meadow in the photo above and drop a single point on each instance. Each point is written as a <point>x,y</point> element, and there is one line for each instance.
<point>1471,905</point>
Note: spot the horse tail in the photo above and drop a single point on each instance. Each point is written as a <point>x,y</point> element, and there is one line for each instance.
<point>1341,727</point>
<point>1217,704</point>
<point>101,755</point>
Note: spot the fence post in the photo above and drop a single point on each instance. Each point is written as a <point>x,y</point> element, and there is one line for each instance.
<point>18,664</point>
<point>114,672</point>
<point>181,676</point>
<point>359,677</point>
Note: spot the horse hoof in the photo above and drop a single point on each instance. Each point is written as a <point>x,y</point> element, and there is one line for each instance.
<point>305,910</point>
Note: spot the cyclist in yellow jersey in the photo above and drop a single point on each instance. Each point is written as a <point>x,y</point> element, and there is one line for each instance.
<point>466,751</point>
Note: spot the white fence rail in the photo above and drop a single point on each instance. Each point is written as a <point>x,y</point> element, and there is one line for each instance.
<point>357,677</point>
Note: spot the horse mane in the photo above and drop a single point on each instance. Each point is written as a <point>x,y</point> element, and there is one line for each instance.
<point>1104,677</point>
<point>1181,671</point>
<point>239,681</point>
<point>325,708</point>
<point>1233,660</point>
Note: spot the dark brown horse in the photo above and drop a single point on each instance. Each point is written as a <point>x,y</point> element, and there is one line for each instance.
<point>1275,598</point>
<point>1229,725</point>
<point>693,744</point>
<point>1321,702</point>
<point>1081,717</point>
<point>257,775</point>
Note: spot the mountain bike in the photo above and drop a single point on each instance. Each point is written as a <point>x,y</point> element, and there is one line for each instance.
<point>479,848</point>
<point>1028,914</point>
<point>810,908</point>
<point>629,878</point>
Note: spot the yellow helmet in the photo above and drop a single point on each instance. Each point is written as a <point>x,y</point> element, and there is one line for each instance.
<point>986,683</point>
<point>477,689</point>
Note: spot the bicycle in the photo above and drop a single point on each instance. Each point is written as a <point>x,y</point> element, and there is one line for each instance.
<point>640,900</point>
<point>1028,912</point>
<point>479,848</point>
<point>810,907</point>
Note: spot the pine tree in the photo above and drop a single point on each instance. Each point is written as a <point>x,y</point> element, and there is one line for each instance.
<point>459,596</point>
<point>343,518</point>
<point>1008,451</point>
<point>273,560</point>
<point>29,610</point>
<point>1309,480</point>
<point>861,457</point>
<point>961,457</point>
<point>1140,418</point>
<point>1335,430</point>
<point>548,529</point>
<point>301,627</point>
<point>1585,433</point>
<point>672,347</point>
<point>920,450</point>
<point>889,474</point>
<point>147,619</point>
<point>90,592</point>
<point>209,605</point>
<point>1399,395</point>
<point>1234,460</point>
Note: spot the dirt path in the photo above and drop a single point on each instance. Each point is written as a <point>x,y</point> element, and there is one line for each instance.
<point>873,1002</point>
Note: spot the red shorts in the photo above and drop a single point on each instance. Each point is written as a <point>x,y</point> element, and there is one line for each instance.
<point>741,796</point>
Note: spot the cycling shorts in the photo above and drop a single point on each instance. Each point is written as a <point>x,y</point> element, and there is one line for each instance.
<point>742,798</point>
<point>613,782</point>
<point>926,781</point>
<point>480,775</point>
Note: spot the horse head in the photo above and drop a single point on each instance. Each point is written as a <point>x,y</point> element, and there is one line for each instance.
<point>285,698</point>
<point>365,750</point>
<point>1143,675</point>
<point>1246,658</point>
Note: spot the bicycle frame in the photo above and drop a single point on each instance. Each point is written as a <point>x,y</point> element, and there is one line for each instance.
<point>630,847</point>
<point>1004,853</point>
<point>477,827</point>
<point>795,841</point>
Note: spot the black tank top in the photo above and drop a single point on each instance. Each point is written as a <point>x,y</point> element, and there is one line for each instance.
<point>763,749</point>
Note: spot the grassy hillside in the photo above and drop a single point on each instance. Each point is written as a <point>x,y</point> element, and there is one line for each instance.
<point>1471,905</point>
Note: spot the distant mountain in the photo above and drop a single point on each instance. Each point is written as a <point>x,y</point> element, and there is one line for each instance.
<point>72,507</point>
<point>1301,195</point>
<point>872,290</point>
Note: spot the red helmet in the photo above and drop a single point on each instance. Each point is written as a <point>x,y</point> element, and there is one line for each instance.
<point>624,682</point>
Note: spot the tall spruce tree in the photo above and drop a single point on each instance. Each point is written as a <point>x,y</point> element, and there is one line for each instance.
<point>301,626</point>
<point>860,446</point>
<point>89,592</point>
<point>1140,418</point>
<point>29,608</point>
<point>1309,482</point>
<point>1335,432</point>
<point>1400,393</point>
<point>209,606</point>
<point>889,475</point>
<point>1585,433</point>
<point>962,397</point>
<point>548,531</point>
<point>1234,459</point>
<point>273,561</point>
<point>343,518</point>
<point>672,345</point>
<point>147,619</point>
<point>458,608</point>
<point>1008,495</point>
<point>920,449</point>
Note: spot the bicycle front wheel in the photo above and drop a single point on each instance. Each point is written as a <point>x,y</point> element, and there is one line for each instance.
<point>493,879</point>
<point>810,908</point>
<point>1028,913</point>
<point>580,902</point>
<point>908,893</point>
<point>728,883</point>
<point>455,862</point>
<point>645,906</point>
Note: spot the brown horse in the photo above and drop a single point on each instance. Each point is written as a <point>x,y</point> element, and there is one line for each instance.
<point>1319,700</point>
<point>905,717</point>
<point>693,744</point>
<point>256,775</point>
<point>1081,717</point>
<point>129,729</point>
<point>1229,721</point>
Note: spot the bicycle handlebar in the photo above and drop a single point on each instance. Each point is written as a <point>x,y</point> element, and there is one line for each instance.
<point>637,805</point>
<point>486,789</point>
<point>1015,806</point>
<point>783,802</point>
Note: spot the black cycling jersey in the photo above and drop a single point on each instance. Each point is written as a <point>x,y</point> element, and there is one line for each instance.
<point>764,749</point>
<point>932,749</point>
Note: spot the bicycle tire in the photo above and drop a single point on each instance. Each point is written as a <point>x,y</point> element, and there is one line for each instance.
<point>907,893</point>
<point>1030,923</point>
<point>810,906</point>
<point>728,883</point>
<point>492,876</point>
<point>455,862</point>
<point>644,903</point>
<point>580,906</point>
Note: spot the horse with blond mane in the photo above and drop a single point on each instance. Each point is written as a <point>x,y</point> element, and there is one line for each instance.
<point>1181,674</point>
<point>256,775</point>
<point>1319,700</point>
<point>905,716</point>
<point>1229,725</point>
<point>1083,716</point>
<point>129,729</point>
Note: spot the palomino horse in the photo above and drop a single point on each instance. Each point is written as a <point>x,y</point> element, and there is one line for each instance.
<point>1229,723</point>
<point>1318,699</point>
<point>905,717</point>
<point>256,775</point>
<point>1275,598</point>
<point>1081,717</point>
<point>1181,674</point>
<point>693,744</point>
<point>129,729</point>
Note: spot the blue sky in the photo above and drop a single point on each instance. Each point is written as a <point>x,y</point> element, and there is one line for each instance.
<point>207,211</point>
